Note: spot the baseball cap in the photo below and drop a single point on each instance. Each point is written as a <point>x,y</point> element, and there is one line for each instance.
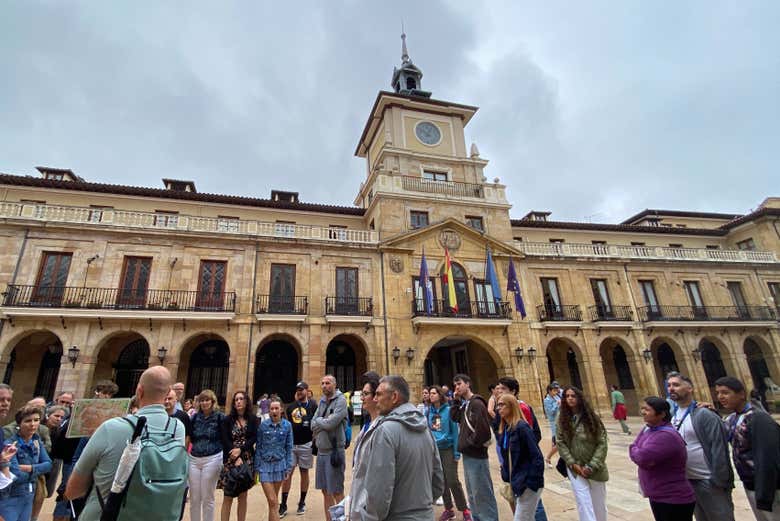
<point>301,385</point>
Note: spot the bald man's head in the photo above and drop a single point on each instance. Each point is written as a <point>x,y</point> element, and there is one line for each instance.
<point>153,386</point>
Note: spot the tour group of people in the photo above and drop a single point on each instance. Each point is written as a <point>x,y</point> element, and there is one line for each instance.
<point>406,455</point>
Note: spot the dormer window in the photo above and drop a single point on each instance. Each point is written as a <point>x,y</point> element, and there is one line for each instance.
<point>53,176</point>
<point>178,185</point>
<point>282,196</point>
<point>411,84</point>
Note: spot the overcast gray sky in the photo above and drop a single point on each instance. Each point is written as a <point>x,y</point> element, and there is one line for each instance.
<point>593,110</point>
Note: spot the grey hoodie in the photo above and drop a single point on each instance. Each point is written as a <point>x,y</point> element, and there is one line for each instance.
<point>328,423</point>
<point>397,474</point>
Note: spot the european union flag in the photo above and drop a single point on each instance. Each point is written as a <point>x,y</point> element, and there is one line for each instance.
<point>512,284</point>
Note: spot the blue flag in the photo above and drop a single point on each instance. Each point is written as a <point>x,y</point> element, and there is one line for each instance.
<point>426,286</point>
<point>512,284</point>
<point>492,279</point>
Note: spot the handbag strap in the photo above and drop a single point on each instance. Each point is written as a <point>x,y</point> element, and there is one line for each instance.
<point>509,453</point>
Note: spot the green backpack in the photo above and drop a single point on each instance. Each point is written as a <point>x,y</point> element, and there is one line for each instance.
<point>157,485</point>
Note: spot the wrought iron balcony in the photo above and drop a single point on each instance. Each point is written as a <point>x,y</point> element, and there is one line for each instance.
<point>611,313</point>
<point>349,306</point>
<point>570,313</point>
<point>451,188</point>
<point>116,298</point>
<point>705,313</point>
<point>282,304</point>
<point>473,309</point>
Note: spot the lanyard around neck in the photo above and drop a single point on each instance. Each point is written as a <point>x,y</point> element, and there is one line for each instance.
<point>688,411</point>
<point>738,419</point>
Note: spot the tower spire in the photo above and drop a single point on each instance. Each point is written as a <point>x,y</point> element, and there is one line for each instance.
<point>408,78</point>
<point>404,51</point>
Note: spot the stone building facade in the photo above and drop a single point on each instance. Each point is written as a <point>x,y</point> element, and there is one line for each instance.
<point>231,292</point>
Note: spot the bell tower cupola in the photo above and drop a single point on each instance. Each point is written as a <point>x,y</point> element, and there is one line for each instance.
<point>407,79</point>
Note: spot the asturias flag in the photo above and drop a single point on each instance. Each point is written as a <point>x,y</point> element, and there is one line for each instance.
<point>426,286</point>
<point>446,278</point>
<point>512,284</point>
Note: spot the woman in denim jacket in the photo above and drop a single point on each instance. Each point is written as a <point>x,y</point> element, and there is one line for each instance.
<point>445,432</point>
<point>273,456</point>
<point>30,461</point>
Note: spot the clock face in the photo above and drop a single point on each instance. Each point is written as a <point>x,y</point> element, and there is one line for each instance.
<point>428,133</point>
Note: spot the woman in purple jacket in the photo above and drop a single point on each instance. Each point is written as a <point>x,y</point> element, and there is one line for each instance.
<point>659,452</point>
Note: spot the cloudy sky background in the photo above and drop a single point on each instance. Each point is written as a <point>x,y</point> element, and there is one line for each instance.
<point>592,110</point>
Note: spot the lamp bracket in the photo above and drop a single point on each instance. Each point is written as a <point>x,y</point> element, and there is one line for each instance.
<point>100,322</point>
<point>62,320</point>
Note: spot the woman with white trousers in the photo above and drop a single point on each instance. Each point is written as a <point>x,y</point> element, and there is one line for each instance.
<point>205,456</point>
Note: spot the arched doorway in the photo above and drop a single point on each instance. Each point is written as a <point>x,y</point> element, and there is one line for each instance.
<point>665,361</point>
<point>563,363</point>
<point>345,359</point>
<point>712,362</point>
<point>459,354</point>
<point>132,362</point>
<point>617,371</point>
<point>208,369</point>
<point>276,369</point>
<point>759,370</point>
<point>122,358</point>
<point>460,280</point>
<point>34,366</point>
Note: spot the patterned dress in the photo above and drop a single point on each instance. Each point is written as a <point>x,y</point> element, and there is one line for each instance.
<point>239,439</point>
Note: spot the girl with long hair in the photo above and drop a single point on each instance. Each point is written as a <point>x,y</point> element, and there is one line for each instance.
<point>205,457</point>
<point>239,433</point>
<point>582,443</point>
<point>522,462</point>
<point>445,432</point>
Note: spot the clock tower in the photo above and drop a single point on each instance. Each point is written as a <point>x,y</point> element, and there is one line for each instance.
<point>419,170</point>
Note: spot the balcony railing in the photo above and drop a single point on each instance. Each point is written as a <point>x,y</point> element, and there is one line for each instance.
<point>570,313</point>
<point>611,313</point>
<point>110,217</point>
<point>349,306</point>
<point>618,251</point>
<point>705,313</point>
<point>113,298</point>
<point>282,305</point>
<point>473,309</point>
<point>451,188</point>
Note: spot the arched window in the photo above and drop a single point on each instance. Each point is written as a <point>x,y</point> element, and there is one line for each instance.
<point>132,361</point>
<point>666,360</point>
<point>340,362</point>
<point>712,362</point>
<point>48,372</point>
<point>461,290</point>
<point>574,369</point>
<point>625,381</point>
<point>209,369</point>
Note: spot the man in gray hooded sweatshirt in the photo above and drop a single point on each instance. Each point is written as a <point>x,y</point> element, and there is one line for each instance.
<point>398,474</point>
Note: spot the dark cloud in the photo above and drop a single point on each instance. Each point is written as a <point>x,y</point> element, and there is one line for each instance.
<point>587,110</point>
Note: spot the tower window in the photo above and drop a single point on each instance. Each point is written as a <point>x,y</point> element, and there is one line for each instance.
<point>411,84</point>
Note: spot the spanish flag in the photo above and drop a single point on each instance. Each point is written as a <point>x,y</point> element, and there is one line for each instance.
<point>447,279</point>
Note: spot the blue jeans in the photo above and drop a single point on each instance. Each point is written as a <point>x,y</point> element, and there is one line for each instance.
<point>479,488</point>
<point>540,514</point>
<point>17,508</point>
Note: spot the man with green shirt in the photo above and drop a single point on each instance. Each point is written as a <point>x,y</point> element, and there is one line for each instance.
<point>619,409</point>
<point>100,459</point>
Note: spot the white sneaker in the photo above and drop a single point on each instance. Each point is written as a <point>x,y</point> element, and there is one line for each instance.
<point>440,501</point>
